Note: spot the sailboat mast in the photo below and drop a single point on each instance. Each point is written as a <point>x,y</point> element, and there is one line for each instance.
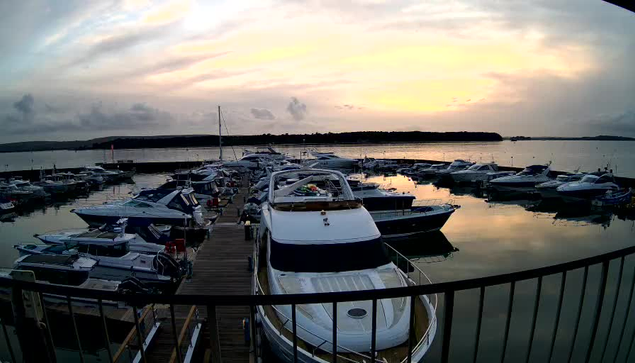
<point>220,136</point>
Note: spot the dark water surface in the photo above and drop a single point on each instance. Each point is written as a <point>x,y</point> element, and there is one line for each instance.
<point>491,238</point>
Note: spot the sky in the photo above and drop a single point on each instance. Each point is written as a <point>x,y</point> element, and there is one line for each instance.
<point>79,69</point>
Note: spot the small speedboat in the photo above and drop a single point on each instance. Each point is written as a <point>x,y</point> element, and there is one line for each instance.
<point>614,198</point>
<point>106,235</point>
<point>417,220</point>
<point>6,205</point>
<point>172,207</point>
<point>115,261</point>
<point>589,187</point>
<point>70,270</point>
<point>524,181</point>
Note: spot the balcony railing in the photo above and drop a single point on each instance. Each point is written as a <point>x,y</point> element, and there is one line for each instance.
<point>597,333</point>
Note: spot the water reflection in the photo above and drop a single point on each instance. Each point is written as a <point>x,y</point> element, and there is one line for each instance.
<point>430,247</point>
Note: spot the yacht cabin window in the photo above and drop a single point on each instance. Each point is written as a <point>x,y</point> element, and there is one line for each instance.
<point>334,257</point>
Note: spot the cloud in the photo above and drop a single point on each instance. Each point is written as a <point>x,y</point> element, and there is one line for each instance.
<point>117,43</point>
<point>622,124</point>
<point>297,109</point>
<point>262,114</point>
<point>25,105</point>
<point>138,116</point>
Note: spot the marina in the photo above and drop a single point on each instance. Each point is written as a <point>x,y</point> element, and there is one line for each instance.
<point>476,225</point>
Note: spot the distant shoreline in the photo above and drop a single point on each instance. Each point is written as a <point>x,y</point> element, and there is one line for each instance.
<point>583,138</point>
<point>194,141</point>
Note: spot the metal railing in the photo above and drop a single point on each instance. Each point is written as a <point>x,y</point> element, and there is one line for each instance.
<point>591,340</point>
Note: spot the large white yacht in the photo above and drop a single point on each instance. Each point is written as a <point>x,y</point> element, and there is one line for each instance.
<point>316,237</point>
<point>173,207</point>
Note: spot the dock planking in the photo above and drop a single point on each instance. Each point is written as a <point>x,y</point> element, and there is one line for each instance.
<point>220,268</point>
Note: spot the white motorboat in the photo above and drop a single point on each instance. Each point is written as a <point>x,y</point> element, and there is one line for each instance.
<point>456,165</point>
<point>105,235</point>
<point>204,191</point>
<point>524,181</point>
<point>172,207</point>
<point>432,170</point>
<point>475,173</point>
<point>589,187</point>
<point>414,169</point>
<point>58,184</point>
<point>69,270</point>
<point>316,237</point>
<point>109,176</point>
<point>6,205</point>
<point>328,160</point>
<point>115,261</point>
<point>549,189</point>
<point>34,191</point>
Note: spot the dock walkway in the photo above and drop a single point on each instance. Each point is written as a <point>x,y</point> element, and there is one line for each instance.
<point>220,268</point>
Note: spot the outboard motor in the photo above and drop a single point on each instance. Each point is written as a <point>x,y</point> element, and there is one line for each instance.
<point>166,265</point>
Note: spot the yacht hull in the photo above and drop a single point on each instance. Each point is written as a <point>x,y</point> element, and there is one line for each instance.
<point>393,225</point>
<point>282,347</point>
<point>388,203</point>
<point>94,220</point>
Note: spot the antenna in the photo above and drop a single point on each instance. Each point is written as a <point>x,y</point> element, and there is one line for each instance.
<point>220,136</point>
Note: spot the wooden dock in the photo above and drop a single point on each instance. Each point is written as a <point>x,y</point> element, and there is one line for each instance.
<point>220,268</point>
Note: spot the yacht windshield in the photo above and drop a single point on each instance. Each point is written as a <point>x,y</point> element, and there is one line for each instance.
<point>328,257</point>
<point>533,170</point>
<point>589,179</point>
<point>474,167</point>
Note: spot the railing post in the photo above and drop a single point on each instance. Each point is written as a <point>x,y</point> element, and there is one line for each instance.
<point>105,327</point>
<point>598,308</point>
<point>334,331</point>
<point>139,333</point>
<point>628,313</point>
<point>510,305</point>
<point>411,327</point>
<point>479,322</point>
<point>176,337</point>
<point>579,314</point>
<point>294,328</point>
<point>617,296</point>
<point>79,344</point>
<point>554,335</point>
<point>448,311</point>
<point>214,338</point>
<point>534,318</point>
<point>8,341</point>
<point>373,338</point>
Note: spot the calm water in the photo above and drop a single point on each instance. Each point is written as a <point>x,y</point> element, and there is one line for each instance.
<point>565,155</point>
<point>491,238</point>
